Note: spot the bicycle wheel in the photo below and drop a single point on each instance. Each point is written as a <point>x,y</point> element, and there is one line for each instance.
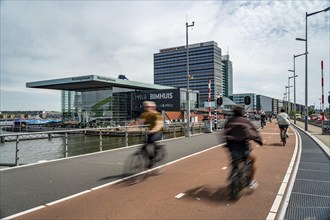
<point>235,187</point>
<point>283,136</point>
<point>134,166</point>
<point>247,173</point>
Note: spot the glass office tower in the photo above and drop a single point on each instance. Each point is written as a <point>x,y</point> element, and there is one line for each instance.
<point>170,68</point>
<point>228,76</point>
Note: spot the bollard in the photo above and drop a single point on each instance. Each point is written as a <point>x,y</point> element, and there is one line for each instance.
<point>126,137</point>
<point>101,141</point>
<point>16,153</point>
<point>174,129</point>
<point>66,146</point>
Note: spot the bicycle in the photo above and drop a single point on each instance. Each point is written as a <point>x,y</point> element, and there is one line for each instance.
<point>283,135</point>
<point>139,163</point>
<point>263,123</point>
<point>240,178</point>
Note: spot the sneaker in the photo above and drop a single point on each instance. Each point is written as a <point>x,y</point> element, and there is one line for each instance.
<point>253,184</point>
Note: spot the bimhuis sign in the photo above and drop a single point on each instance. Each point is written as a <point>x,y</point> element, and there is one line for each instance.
<point>167,100</point>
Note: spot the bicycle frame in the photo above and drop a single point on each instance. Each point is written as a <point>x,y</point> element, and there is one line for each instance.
<point>240,178</point>
<point>283,135</point>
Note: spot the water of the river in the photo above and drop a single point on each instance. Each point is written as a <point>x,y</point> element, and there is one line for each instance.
<point>33,151</point>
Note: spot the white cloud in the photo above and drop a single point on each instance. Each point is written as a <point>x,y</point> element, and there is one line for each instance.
<point>43,40</point>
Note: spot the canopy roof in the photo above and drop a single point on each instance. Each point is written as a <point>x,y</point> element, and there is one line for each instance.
<point>92,82</point>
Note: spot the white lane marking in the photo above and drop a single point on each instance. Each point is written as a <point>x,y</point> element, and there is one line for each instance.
<point>180,195</point>
<point>66,198</point>
<point>279,207</point>
<point>116,181</point>
<point>107,184</point>
<point>276,204</point>
<point>271,216</point>
<point>25,212</point>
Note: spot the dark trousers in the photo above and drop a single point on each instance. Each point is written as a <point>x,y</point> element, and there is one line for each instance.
<point>240,151</point>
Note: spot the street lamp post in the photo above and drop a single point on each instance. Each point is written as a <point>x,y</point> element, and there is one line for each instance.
<point>294,86</point>
<point>289,108</point>
<point>188,78</point>
<point>288,97</point>
<point>306,65</point>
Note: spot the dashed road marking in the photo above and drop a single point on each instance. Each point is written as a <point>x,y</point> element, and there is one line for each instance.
<point>180,195</point>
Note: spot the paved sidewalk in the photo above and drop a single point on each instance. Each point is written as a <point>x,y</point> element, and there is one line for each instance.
<point>316,132</point>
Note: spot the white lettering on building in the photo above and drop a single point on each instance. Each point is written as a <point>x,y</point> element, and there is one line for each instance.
<point>161,96</point>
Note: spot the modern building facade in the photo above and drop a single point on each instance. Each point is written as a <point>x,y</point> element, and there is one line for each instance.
<point>239,100</point>
<point>205,63</point>
<point>265,104</point>
<point>228,76</point>
<point>90,97</point>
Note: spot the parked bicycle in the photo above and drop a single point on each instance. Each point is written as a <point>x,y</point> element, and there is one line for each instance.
<point>240,178</point>
<point>139,163</point>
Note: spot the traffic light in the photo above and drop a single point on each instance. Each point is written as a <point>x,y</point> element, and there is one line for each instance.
<point>247,100</point>
<point>219,101</point>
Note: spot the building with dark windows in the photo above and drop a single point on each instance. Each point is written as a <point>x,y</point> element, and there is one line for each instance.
<point>93,97</point>
<point>205,62</point>
<point>239,100</point>
<point>265,104</point>
<point>228,76</point>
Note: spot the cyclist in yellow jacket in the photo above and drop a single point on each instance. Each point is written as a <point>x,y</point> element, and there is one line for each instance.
<point>154,119</point>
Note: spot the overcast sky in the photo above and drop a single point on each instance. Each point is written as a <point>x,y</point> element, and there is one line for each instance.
<point>44,40</point>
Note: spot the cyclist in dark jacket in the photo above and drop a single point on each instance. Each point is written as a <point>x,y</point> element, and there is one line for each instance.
<point>238,132</point>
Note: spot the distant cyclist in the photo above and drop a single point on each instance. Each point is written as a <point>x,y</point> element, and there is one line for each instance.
<point>283,121</point>
<point>238,131</point>
<point>154,119</point>
<point>263,119</point>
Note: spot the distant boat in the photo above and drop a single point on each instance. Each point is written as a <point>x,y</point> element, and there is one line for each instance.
<point>24,122</point>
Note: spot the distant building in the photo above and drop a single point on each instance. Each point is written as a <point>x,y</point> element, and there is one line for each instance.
<point>205,62</point>
<point>265,104</point>
<point>90,97</point>
<point>228,76</point>
<point>239,100</point>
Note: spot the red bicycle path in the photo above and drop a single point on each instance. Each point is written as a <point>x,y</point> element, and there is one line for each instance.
<point>195,187</point>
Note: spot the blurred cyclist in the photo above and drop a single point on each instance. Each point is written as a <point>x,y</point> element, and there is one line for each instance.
<point>238,132</point>
<point>154,119</point>
<point>283,121</point>
<point>263,119</point>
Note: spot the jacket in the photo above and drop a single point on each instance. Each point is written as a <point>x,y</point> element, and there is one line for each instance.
<point>283,119</point>
<point>239,129</point>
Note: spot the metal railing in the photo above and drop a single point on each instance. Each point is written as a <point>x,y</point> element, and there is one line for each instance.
<point>82,141</point>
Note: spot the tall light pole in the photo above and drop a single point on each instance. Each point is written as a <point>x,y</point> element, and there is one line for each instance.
<point>294,86</point>
<point>188,78</point>
<point>306,65</point>
<point>288,93</point>
<point>289,108</point>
